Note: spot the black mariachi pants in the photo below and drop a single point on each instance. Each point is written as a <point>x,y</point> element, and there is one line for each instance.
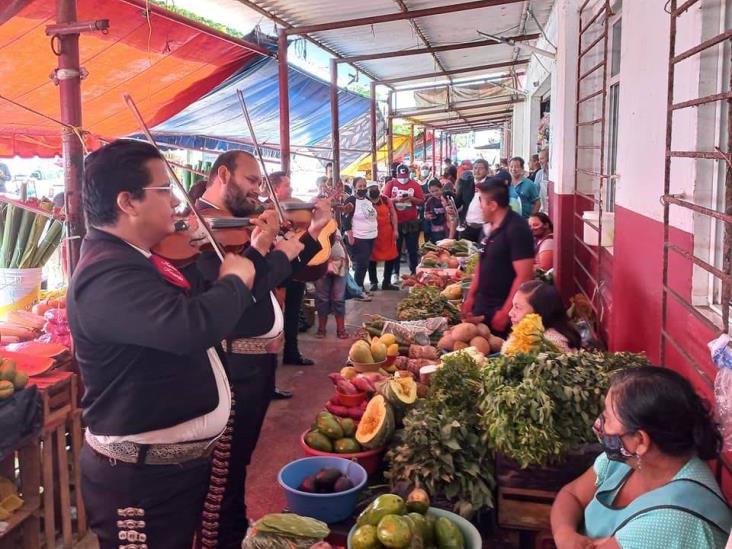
<point>252,379</point>
<point>294,293</point>
<point>158,506</point>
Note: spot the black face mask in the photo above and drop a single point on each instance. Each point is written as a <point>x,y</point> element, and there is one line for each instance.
<point>361,193</point>
<point>612,445</point>
<point>374,194</point>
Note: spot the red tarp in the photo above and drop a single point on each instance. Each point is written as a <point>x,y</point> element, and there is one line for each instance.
<point>163,63</point>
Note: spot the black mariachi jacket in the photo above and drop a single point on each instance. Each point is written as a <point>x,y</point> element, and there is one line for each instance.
<point>141,342</point>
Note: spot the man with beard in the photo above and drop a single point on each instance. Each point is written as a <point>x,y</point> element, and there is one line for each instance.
<point>251,349</point>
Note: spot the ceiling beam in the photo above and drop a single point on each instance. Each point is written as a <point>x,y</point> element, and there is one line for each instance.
<point>453,72</point>
<point>462,105</point>
<point>388,18</point>
<point>469,116</point>
<point>479,80</point>
<point>473,124</point>
<point>436,49</point>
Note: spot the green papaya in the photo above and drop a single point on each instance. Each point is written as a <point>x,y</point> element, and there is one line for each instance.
<point>448,535</point>
<point>330,427</point>
<point>347,446</point>
<point>387,504</point>
<point>6,389</point>
<point>348,426</point>
<point>318,441</point>
<point>365,538</point>
<point>394,531</point>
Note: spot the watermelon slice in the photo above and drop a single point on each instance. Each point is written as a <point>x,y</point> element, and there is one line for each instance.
<point>37,348</point>
<point>30,364</point>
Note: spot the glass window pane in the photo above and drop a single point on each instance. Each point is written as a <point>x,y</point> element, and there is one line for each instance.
<point>615,53</point>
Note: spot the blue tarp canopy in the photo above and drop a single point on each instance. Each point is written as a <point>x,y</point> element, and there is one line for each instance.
<point>217,119</point>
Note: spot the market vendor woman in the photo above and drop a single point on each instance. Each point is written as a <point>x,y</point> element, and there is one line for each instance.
<point>650,489</point>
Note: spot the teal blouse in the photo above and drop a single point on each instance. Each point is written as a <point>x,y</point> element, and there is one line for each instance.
<point>688,512</point>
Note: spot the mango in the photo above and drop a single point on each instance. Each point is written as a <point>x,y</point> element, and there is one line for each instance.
<point>349,372</point>
<point>388,339</point>
<point>20,381</point>
<point>318,441</point>
<point>392,349</point>
<point>361,352</point>
<point>346,446</point>
<point>394,531</point>
<point>365,538</point>
<point>6,389</point>
<point>387,504</point>
<point>448,535</point>
<point>423,528</point>
<point>7,370</point>
<point>378,351</point>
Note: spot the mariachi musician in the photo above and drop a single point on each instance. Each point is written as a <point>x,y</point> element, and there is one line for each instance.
<point>251,347</point>
<point>156,397</point>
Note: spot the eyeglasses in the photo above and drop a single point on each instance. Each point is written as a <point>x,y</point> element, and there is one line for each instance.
<point>599,428</point>
<point>168,188</point>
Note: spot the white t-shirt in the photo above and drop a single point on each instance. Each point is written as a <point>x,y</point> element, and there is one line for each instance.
<point>474,213</point>
<point>364,219</point>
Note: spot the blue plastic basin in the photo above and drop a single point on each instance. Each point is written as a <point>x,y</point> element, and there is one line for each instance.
<point>329,508</point>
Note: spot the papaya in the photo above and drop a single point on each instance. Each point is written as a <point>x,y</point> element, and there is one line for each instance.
<point>6,389</point>
<point>346,446</point>
<point>377,424</point>
<point>318,441</point>
<point>348,426</point>
<point>378,351</point>
<point>394,531</point>
<point>386,504</point>
<point>361,352</point>
<point>329,426</point>
<point>364,537</point>
<point>7,370</point>
<point>448,535</point>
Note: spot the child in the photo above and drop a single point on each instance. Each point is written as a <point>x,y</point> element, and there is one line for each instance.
<point>330,291</point>
<point>434,212</point>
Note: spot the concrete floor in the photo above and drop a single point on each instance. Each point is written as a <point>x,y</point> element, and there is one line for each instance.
<point>287,419</point>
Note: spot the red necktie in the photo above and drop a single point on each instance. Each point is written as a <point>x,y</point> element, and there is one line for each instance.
<point>170,273</point>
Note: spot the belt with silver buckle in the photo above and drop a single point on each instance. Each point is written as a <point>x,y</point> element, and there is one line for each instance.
<point>254,345</point>
<point>152,454</point>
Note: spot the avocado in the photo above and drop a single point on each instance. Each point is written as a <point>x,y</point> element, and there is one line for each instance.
<point>326,479</point>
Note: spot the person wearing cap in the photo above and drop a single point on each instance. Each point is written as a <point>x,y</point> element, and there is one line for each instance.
<point>406,194</point>
<point>506,262</point>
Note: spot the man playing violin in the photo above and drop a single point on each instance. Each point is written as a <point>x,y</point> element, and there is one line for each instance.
<point>156,397</point>
<point>251,347</point>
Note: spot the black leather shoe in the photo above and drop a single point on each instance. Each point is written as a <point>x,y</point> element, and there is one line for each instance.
<point>280,394</point>
<point>389,287</point>
<point>298,361</point>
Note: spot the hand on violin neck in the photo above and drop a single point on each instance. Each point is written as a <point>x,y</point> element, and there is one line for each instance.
<point>291,247</point>
<point>265,231</point>
<point>238,266</point>
<point>321,216</point>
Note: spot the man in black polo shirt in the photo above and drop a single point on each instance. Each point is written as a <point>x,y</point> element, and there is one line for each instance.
<point>507,260</point>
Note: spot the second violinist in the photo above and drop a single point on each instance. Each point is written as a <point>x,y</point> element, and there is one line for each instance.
<point>251,349</point>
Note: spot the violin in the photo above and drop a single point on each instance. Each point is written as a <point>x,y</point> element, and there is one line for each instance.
<point>182,247</point>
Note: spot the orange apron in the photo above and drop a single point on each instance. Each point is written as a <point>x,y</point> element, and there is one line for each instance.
<point>384,246</point>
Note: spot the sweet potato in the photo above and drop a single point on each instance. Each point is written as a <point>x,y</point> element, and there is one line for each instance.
<point>337,409</point>
<point>346,387</point>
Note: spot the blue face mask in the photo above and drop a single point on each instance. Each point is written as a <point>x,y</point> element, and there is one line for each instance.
<point>612,444</point>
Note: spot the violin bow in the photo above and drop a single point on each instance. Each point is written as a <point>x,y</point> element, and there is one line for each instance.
<point>268,183</point>
<point>174,178</point>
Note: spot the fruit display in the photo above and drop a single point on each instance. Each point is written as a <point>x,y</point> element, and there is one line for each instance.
<point>535,408</point>
<point>427,302</point>
<point>439,258</point>
<point>458,248</point>
<point>466,335</point>
<point>377,424</point>
<point>326,481</point>
<point>56,328</point>
<point>11,379</point>
<point>399,392</point>
<point>391,522</point>
<point>453,292</point>
<point>433,277</point>
<point>288,531</point>
<point>527,336</point>
<point>332,434</point>
<point>403,333</point>
<point>374,351</point>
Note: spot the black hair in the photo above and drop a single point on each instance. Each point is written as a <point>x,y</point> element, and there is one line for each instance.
<point>196,191</point>
<point>329,165</point>
<point>227,159</point>
<point>357,179</point>
<point>434,183</point>
<point>547,303</point>
<point>545,219</point>
<point>276,178</point>
<point>495,189</point>
<point>663,403</point>
<point>482,161</point>
<point>517,159</point>
<point>535,157</point>
<point>112,169</point>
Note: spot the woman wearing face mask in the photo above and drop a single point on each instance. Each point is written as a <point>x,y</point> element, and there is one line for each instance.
<point>650,488</point>
<point>543,230</point>
<point>361,229</point>
<point>385,244</point>
<point>543,299</point>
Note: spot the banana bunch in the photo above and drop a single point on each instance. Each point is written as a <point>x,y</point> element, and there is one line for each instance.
<point>527,337</point>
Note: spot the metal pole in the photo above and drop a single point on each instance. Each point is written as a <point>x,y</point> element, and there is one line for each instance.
<point>334,130</point>
<point>476,68</point>
<point>374,148</point>
<point>411,144</point>
<point>390,133</point>
<point>284,102</point>
<point>434,146</point>
<point>72,149</point>
<point>424,145</point>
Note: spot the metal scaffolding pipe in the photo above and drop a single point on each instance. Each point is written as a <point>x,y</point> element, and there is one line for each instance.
<point>334,129</point>
<point>411,143</point>
<point>372,123</point>
<point>389,133</point>
<point>454,71</point>
<point>425,111</point>
<point>284,102</point>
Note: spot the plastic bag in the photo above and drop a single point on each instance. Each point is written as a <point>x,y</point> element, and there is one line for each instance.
<point>722,358</point>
